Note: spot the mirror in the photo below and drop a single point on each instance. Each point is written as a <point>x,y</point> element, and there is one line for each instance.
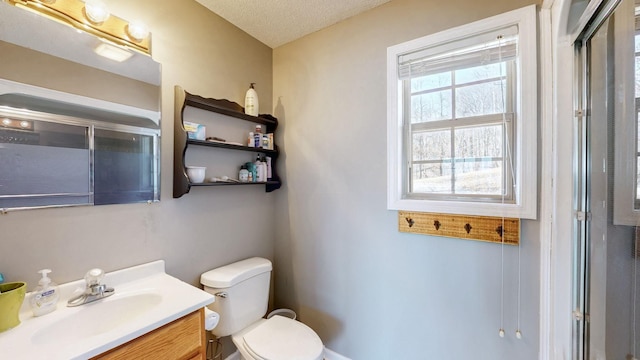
<point>76,128</point>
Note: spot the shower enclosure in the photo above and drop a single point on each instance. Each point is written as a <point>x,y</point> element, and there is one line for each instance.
<point>606,199</point>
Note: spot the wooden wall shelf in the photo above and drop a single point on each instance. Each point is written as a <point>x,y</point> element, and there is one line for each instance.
<point>181,184</point>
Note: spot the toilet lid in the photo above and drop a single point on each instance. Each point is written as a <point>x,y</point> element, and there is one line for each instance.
<point>281,338</point>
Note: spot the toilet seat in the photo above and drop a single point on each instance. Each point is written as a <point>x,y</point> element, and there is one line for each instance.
<point>281,338</point>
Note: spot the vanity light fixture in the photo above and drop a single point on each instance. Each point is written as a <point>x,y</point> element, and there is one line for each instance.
<point>113,52</point>
<point>16,124</point>
<point>92,16</point>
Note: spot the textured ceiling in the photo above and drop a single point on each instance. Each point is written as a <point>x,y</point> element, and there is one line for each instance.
<point>277,22</point>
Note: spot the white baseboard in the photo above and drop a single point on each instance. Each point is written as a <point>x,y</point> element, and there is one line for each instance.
<point>332,355</point>
<point>328,355</point>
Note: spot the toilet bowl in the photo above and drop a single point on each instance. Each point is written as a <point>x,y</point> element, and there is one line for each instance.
<point>242,294</point>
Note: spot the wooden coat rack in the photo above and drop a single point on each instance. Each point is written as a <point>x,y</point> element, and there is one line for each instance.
<point>482,228</point>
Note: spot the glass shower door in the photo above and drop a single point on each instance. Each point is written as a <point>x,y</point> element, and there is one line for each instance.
<point>605,261</point>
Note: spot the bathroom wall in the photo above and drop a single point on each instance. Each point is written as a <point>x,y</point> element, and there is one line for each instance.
<point>206,228</point>
<point>369,291</point>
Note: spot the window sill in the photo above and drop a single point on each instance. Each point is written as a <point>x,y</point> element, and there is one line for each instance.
<point>464,208</point>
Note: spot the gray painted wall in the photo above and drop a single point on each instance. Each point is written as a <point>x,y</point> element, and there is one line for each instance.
<point>369,291</point>
<point>207,227</point>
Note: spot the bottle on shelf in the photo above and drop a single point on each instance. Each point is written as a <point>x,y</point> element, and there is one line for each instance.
<point>260,170</point>
<point>269,171</point>
<point>250,140</point>
<point>253,175</point>
<point>243,175</point>
<point>251,101</point>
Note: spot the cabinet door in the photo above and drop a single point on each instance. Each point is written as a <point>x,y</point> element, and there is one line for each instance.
<point>181,339</point>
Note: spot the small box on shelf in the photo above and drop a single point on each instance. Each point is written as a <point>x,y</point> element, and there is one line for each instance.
<point>195,131</point>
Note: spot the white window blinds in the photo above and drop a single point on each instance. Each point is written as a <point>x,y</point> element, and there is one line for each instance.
<point>487,48</point>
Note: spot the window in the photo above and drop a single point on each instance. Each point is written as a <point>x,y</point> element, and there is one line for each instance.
<point>462,121</point>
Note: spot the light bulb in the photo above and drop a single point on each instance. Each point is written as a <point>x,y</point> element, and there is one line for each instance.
<point>518,334</point>
<point>137,30</point>
<point>96,11</point>
<point>24,124</point>
<point>6,122</point>
<point>501,333</point>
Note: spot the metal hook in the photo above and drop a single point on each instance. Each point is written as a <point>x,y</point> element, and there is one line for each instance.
<point>410,221</point>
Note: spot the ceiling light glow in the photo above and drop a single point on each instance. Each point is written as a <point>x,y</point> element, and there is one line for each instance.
<point>113,52</point>
<point>96,11</point>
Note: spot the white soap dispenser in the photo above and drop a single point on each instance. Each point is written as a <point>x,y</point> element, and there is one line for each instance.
<point>251,105</point>
<point>44,298</point>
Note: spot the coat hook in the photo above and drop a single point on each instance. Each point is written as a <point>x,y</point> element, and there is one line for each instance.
<point>436,224</point>
<point>500,231</point>
<point>410,221</point>
<point>468,228</point>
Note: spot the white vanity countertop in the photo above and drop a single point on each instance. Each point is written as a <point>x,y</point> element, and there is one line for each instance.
<point>145,299</point>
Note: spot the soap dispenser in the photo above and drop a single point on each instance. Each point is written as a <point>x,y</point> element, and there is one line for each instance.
<point>251,101</point>
<point>44,298</point>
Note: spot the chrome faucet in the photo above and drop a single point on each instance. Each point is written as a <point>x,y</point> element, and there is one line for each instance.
<point>94,289</point>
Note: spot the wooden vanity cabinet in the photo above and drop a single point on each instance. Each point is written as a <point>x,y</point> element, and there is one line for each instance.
<point>182,339</point>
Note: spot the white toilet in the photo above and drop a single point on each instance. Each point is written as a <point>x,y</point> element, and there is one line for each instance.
<point>242,295</point>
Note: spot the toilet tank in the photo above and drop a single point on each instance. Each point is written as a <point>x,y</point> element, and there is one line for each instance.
<point>242,290</point>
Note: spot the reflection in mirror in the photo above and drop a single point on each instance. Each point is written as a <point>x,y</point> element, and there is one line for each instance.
<point>76,128</point>
<point>636,56</point>
<point>57,172</point>
<point>627,149</point>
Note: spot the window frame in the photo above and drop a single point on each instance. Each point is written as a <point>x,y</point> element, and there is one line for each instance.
<point>523,203</point>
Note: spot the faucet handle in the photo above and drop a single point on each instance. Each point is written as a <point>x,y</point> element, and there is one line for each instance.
<point>94,277</point>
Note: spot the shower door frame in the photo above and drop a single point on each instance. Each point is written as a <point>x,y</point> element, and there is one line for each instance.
<point>582,170</point>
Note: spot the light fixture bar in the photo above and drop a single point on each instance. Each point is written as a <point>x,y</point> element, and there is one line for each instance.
<point>16,124</point>
<point>72,13</point>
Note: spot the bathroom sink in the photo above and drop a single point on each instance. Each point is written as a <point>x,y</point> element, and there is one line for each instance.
<point>98,317</point>
<point>146,298</point>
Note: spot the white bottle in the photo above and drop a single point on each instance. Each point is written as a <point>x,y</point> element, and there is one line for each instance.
<point>251,140</point>
<point>263,166</point>
<point>251,104</point>
<point>260,172</point>
<point>269,171</point>
<point>44,298</point>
